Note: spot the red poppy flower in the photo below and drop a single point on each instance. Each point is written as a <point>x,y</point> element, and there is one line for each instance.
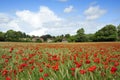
<point>6,60</point>
<point>3,56</point>
<point>32,67</point>
<point>24,59</point>
<point>41,70</point>
<point>72,69</point>
<point>78,65</point>
<point>22,66</point>
<point>56,68</point>
<point>46,75</point>
<point>41,79</point>
<point>92,68</point>
<point>31,61</point>
<point>8,78</point>
<point>11,49</point>
<point>113,70</point>
<point>4,72</point>
<point>116,64</point>
<point>87,62</point>
<point>97,60</point>
<point>82,71</point>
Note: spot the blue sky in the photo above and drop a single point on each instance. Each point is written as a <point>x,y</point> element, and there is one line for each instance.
<point>56,17</point>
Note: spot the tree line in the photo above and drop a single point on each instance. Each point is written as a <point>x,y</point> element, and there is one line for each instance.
<point>107,33</point>
<point>14,36</point>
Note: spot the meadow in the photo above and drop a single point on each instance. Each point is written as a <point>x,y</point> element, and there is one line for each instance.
<point>60,61</point>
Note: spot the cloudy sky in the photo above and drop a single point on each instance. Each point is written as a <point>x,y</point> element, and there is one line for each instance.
<point>56,17</point>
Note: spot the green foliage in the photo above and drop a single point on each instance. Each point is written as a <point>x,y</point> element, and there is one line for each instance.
<point>67,36</point>
<point>107,33</point>
<point>38,40</point>
<point>45,37</point>
<point>10,35</point>
<point>2,35</point>
<point>80,36</point>
<point>118,32</point>
<point>58,39</point>
<point>71,39</point>
<point>89,37</point>
<point>15,36</point>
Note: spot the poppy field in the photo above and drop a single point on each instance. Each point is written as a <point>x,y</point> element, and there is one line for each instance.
<point>60,61</point>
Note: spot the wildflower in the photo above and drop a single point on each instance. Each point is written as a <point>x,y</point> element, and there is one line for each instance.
<point>97,60</point>
<point>6,60</point>
<point>72,69</point>
<point>46,75</point>
<point>11,49</point>
<point>78,65</point>
<point>24,59</point>
<point>56,68</point>
<point>113,70</point>
<point>41,78</point>
<point>22,66</point>
<point>31,61</point>
<point>116,64</point>
<point>8,78</point>
<point>55,58</point>
<point>41,70</point>
<point>4,72</point>
<point>3,56</point>
<point>48,65</point>
<point>92,68</point>
<point>32,67</point>
<point>82,71</point>
<point>87,62</point>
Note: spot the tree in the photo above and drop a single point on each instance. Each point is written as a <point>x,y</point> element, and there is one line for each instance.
<point>19,34</point>
<point>2,36</point>
<point>58,38</point>
<point>89,37</point>
<point>80,36</point>
<point>71,39</point>
<point>107,33</point>
<point>118,31</point>
<point>67,35</point>
<point>45,37</point>
<point>10,35</point>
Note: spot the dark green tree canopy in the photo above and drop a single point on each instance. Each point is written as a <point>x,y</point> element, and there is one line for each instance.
<point>80,36</point>
<point>118,32</point>
<point>2,36</point>
<point>107,33</point>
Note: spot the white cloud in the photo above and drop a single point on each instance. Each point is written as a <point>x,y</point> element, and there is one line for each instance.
<point>14,25</point>
<point>94,12</point>
<point>4,18</point>
<point>91,26</point>
<point>38,32</point>
<point>68,9</point>
<point>38,19</point>
<point>7,23</point>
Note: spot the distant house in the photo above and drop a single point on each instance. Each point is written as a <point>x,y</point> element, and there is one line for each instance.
<point>25,39</point>
<point>37,39</point>
<point>49,40</point>
<point>64,40</point>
